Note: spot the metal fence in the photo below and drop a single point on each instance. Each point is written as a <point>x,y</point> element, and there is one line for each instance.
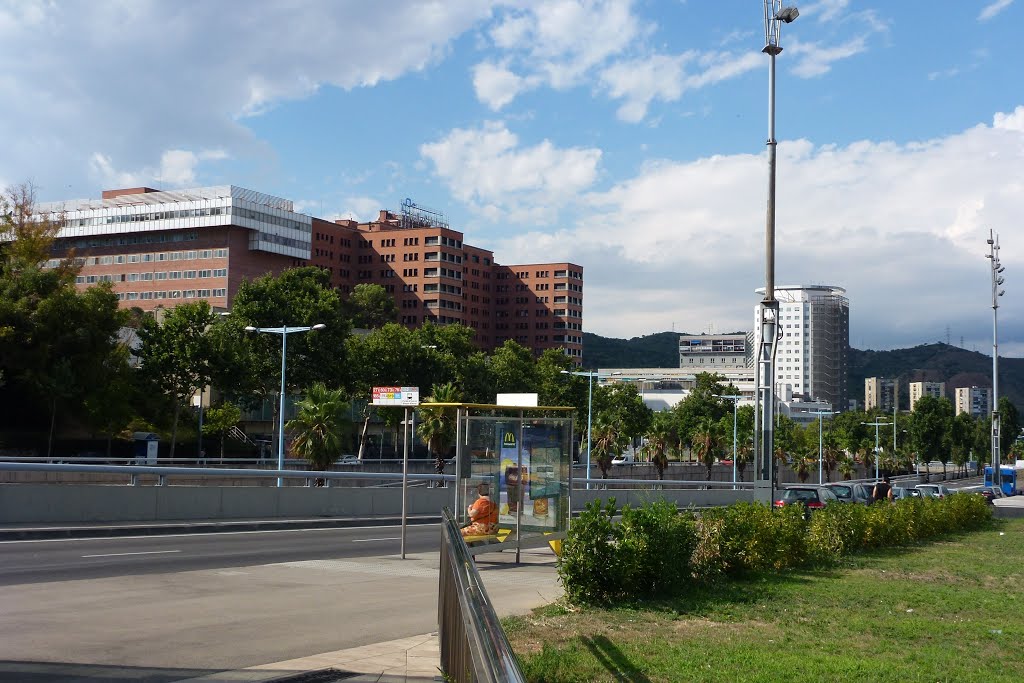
<point>472,643</point>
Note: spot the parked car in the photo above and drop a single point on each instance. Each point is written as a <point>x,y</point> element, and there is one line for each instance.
<point>348,460</point>
<point>811,497</point>
<point>624,459</point>
<point>899,493</point>
<point>990,493</point>
<point>862,493</point>
<point>934,490</point>
<point>844,492</point>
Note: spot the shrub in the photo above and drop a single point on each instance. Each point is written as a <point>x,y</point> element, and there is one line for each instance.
<point>586,567</point>
<point>655,544</point>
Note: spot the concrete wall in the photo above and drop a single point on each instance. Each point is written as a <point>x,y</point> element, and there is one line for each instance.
<point>41,503</point>
<point>76,503</point>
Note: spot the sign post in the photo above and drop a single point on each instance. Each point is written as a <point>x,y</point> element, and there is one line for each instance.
<point>400,396</point>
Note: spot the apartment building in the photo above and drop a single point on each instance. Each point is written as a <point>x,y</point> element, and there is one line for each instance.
<point>881,393</point>
<point>812,355</point>
<point>159,248</point>
<point>919,389</point>
<point>976,401</point>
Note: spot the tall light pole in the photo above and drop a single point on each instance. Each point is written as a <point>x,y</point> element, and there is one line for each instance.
<point>821,459</point>
<point>590,404</point>
<point>735,398</point>
<point>997,281</point>
<point>876,425</point>
<point>284,331</point>
<point>774,16</point>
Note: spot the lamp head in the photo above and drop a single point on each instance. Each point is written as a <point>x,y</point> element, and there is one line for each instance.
<point>318,326</point>
<point>787,15</point>
<point>250,328</point>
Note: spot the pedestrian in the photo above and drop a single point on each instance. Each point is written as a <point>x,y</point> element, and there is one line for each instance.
<point>882,490</point>
<point>483,514</point>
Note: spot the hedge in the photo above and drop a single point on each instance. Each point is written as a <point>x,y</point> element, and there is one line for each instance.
<point>657,550</point>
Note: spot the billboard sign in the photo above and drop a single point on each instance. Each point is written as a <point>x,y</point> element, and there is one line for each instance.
<point>396,396</point>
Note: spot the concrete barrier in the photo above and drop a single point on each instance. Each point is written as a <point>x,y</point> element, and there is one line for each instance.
<point>76,503</point>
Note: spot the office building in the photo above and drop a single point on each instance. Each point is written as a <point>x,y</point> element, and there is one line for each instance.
<point>159,248</point>
<point>881,393</point>
<point>714,352</point>
<point>812,354</point>
<point>919,389</point>
<point>976,401</point>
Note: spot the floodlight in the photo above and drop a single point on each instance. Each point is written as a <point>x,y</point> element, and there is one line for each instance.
<point>787,14</point>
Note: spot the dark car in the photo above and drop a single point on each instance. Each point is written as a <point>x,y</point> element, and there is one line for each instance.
<point>811,497</point>
<point>844,492</point>
<point>862,493</point>
<point>990,493</point>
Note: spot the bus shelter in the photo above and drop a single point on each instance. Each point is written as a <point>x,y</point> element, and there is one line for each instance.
<point>520,458</point>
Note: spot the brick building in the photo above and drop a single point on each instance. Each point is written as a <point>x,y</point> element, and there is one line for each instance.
<point>160,248</point>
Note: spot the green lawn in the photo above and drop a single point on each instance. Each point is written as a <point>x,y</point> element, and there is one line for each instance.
<point>946,611</point>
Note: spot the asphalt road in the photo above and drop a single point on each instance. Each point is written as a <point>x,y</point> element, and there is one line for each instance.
<point>76,559</point>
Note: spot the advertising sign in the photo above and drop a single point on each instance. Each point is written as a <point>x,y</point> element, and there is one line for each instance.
<point>396,396</point>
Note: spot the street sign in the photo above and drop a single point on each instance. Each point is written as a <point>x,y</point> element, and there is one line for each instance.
<point>396,396</point>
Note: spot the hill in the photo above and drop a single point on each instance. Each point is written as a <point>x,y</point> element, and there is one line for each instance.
<point>928,362</point>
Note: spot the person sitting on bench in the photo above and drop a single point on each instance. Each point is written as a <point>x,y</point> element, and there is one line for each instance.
<point>483,514</point>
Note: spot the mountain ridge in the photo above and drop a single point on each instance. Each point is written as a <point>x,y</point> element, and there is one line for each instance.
<point>935,362</point>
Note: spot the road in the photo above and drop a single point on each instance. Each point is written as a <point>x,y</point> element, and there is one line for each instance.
<point>93,558</point>
<point>171,607</point>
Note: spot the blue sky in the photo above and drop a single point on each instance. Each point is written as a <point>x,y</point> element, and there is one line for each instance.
<point>624,136</point>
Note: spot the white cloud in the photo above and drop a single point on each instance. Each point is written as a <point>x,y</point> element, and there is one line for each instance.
<point>177,168</point>
<point>815,59</point>
<point>902,227</point>
<point>495,85</point>
<point>994,8</point>
<point>486,167</point>
<point>148,76</point>
<point>640,81</point>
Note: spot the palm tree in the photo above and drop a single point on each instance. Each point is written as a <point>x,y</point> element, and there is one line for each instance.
<point>803,465</point>
<point>607,442</point>
<point>707,443</point>
<point>320,425</point>
<point>744,455</point>
<point>831,457</point>
<point>658,438</point>
<point>846,468</point>
<point>437,429</point>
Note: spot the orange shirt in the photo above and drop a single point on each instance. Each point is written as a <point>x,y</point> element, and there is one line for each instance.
<point>483,510</point>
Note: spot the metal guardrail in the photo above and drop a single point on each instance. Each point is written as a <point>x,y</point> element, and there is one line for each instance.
<point>473,646</point>
<point>163,474</point>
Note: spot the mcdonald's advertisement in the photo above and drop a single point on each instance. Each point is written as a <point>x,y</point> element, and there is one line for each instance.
<point>529,467</point>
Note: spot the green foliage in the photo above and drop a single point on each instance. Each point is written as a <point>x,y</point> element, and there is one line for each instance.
<point>320,426</point>
<point>371,306</point>
<point>656,551</point>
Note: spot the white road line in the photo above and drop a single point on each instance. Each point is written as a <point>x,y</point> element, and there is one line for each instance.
<point>196,533</point>
<point>146,552</point>
<point>371,540</point>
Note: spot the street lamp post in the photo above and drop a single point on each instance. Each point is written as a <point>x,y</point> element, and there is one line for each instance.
<point>876,424</point>
<point>821,460</point>
<point>774,16</point>
<point>997,281</point>
<point>590,404</point>
<point>284,331</point>
<point>735,398</point>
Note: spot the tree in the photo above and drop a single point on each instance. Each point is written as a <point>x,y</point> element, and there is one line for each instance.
<point>298,297</point>
<point>620,404</point>
<point>707,444</point>
<point>606,442</point>
<point>745,438</point>
<point>659,437</point>
<point>701,404</point>
<point>513,369</point>
<point>930,429</point>
<point>220,420</point>
<point>371,306</point>
<point>320,427</point>
<point>437,424</point>
<point>176,355</point>
<point>1009,427</point>
<point>846,468</point>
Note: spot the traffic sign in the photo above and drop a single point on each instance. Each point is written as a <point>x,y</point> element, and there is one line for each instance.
<point>396,396</point>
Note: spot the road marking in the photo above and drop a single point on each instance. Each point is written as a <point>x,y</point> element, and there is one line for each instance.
<point>371,540</point>
<point>203,533</point>
<point>146,552</point>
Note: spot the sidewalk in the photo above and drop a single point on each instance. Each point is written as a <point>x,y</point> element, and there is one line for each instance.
<point>512,589</point>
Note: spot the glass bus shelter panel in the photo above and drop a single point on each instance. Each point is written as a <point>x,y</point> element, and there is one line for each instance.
<point>527,461</point>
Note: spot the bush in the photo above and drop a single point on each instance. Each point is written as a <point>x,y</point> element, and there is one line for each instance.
<point>655,550</point>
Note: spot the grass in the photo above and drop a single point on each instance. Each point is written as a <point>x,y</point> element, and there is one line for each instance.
<point>946,611</point>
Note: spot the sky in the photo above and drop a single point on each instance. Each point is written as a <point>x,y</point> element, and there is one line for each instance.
<point>624,136</point>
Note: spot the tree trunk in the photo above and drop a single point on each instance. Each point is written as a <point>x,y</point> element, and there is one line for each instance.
<point>174,428</point>
<point>53,424</point>
<point>362,435</point>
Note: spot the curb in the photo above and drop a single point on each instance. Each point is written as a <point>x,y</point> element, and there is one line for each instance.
<point>115,530</point>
